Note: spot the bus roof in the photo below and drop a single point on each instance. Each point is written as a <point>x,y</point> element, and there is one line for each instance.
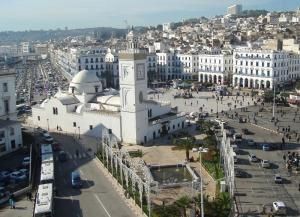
<point>44,198</point>
<point>47,157</point>
<point>46,148</point>
<point>47,171</point>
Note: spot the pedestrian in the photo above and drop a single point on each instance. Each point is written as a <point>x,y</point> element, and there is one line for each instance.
<point>284,158</point>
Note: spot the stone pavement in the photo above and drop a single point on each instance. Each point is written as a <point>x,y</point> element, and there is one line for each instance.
<point>24,208</point>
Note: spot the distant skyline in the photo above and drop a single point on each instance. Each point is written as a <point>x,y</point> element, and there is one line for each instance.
<point>19,15</point>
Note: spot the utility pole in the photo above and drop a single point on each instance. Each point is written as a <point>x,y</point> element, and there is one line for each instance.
<point>274,96</point>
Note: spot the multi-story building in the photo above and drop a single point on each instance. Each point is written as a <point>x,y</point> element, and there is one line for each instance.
<point>170,65</point>
<point>73,60</point>
<point>235,9</point>
<point>262,68</point>
<point>10,129</point>
<point>215,67</point>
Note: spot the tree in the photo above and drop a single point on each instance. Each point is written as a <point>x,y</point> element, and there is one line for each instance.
<point>186,143</point>
<point>183,203</point>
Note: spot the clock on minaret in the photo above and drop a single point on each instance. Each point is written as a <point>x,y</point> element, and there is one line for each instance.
<point>140,68</point>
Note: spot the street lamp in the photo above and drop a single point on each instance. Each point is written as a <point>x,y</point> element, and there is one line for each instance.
<point>78,132</point>
<point>201,150</point>
<point>48,124</point>
<point>218,107</point>
<point>274,96</point>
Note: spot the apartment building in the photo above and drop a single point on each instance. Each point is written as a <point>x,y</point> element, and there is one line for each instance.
<point>10,128</point>
<point>264,68</point>
<point>95,59</point>
<point>215,67</point>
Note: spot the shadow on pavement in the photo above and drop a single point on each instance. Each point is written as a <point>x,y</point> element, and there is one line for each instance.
<point>67,208</point>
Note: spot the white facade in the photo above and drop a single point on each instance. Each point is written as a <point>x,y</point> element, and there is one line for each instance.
<point>86,109</point>
<point>10,129</point>
<point>73,60</point>
<point>261,68</point>
<point>166,27</point>
<point>235,9</point>
<point>215,68</point>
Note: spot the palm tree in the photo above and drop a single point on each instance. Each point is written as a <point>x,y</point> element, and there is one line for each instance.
<point>224,204</point>
<point>186,143</point>
<point>183,203</point>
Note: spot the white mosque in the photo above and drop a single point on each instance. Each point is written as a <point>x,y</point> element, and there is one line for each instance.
<point>130,115</point>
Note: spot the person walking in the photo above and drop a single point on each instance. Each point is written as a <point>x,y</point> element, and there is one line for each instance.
<point>284,158</point>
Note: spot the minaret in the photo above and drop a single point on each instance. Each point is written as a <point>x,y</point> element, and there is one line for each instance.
<point>133,92</point>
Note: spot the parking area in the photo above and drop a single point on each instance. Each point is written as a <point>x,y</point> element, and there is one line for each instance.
<point>14,173</point>
<point>255,185</point>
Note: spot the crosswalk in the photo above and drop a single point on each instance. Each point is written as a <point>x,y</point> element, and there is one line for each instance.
<point>73,156</point>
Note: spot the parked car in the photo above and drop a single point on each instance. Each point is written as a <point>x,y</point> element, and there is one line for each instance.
<point>76,179</point>
<point>251,142</point>
<point>278,179</point>
<point>24,171</point>
<point>62,156</point>
<point>237,137</point>
<point>26,161</point>
<point>279,208</point>
<point>266,147</point>
<point>246,131</point>
<point>265,164</point>
<point>4,195</point>
<point>17,176</point>
<point>252,158</point>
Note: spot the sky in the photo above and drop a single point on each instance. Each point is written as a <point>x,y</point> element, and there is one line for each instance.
<point>20,15</point>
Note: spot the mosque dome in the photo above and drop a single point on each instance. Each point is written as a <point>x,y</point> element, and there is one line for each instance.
<point>85,82</point>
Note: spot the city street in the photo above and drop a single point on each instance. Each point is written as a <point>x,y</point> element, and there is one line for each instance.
<point>258,188</point>
<point>97,196</point>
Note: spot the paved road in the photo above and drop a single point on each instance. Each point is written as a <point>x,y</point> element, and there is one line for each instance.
<point>96,198</point>
<point>259,188</point>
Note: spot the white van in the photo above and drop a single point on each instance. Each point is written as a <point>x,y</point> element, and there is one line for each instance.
<point>279,208</point>
<point>235,159</point>
<point>237,137</point>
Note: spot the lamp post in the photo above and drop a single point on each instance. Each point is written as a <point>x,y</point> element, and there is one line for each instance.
<point>48,124</point>
<point>218,107</point>
<point>202,150</point>
<point>78,132</point>
<point>274,86</point>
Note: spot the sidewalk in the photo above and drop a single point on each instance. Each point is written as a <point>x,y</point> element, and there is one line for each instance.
<point>24,208</point>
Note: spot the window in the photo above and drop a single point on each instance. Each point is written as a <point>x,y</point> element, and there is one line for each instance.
<point>91,127</point>
<point>5,88</point>
<point>86,61</point>
<point>13,144</point>
<point>2,134</point>
<point>55,111</point>
<point>79,68</point>
<point>39,118</point>
<point>92,60</point>
<point>11,131</point>
<point>74,124</point>
<point>96,89</point>
<point>87,67</point>
<point>6,106</point>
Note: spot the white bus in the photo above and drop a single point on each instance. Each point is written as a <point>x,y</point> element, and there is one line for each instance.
<point>47,173</point>
<point>47,158</point>
<point>44,201</point>
<point>46,149</point>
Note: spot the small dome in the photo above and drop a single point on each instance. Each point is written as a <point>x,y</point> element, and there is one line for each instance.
<point>85,76</point>
<point>85,82</point>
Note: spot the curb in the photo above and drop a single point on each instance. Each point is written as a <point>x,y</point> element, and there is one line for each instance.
<point>119,189</point>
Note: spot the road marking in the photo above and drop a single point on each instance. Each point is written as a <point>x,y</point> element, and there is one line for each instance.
<point>102,205</point>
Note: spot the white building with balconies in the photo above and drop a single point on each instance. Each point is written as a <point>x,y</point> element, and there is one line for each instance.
<point>215,67</point>
<point>262,68</point>
<point>10,128</point>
